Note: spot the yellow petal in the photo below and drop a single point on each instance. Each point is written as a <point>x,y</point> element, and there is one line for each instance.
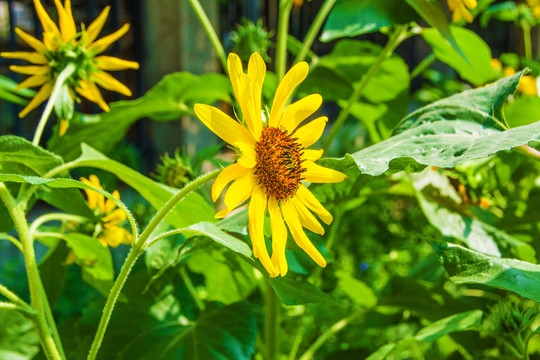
<point>248,158</point>
<point>91,195</point>
<point>297,112</point>
<point>110,63</point>
<point>30,69</point>
<point>312,155</point>
<point>32,81</point>
<point>30,40</point>
<point>279,237</point>
<point>306,217</point>
<point>107,81</point>
<point>89,90</point>
<point>234,64</point>
<point>32,57</point>
<point>42,95</point>
<point>290,81</point>
<point>256,72</point>
<point>95,27</point>
<point>318,174</point>
<point>109,204</point>
<point>230,173</point>
<point>471,4</point>
<point>48,25</point>
<point>291,218</point>
<point>309,134</point>
<point>117,216</point>
<point>223,126</point>
<point>309,200</point>
<point>102,44</point>
<point>50,41</point>
<point>62,127</point>
<point>65,19</point>
<point>240,190</point>
<point>256,211</point>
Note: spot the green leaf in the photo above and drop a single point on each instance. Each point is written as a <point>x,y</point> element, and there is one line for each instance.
<point>356,290</point>
<point>7,92</point>
<point>432,332</point>
<point>190,210</point>
<point>468,266</point>
<point>94,259</point>
<point>355,17</point>
<point>475,67</point>
<point>18,339</point>
<point>522,111</point>
<point>300,292</point>
<point>505,11</point>
<point>172,98</point>
<point>53,271</point>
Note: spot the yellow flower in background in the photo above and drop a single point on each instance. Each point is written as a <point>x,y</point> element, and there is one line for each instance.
<point>62,45</point>
<point>534,5</point>
<point>527,85</point>
<point>460,9</point>
<point>496,65</point>
<point>109,234</point>
<point>274,160</point>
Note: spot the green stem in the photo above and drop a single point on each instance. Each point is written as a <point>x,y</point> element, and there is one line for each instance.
<point>138,248</point>
<point>205,22</point>
<point>395,39</point>
<point>11,296</point>
<point>527,45</point>
<point>314,29</point>
<point>338,326</point>
<point>52,323</point>
<point>529,151</point>
<point>62,77</point>
<point>11,239</point>
<point>34,281</point>
<point>272,322</point>
<point>285,7</point>
<point>191,289</point>
<point>423,65</point>
<point>52,217</point>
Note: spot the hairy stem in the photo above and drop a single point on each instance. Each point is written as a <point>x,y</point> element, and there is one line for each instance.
<point>62,77</point>
<point>138,248</point>
<point>205,22</point>
<point>285,7</point>
<point>272,322</point>
<point>397,36</point>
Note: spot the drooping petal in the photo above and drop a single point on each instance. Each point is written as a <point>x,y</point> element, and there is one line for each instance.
<point>42,95</point>
<point>240,190</point>
<point>308,199</point>
<point>30,69</point>
<point>32,57</point>
<point>95,27</point>
<point>290,81</point>
<point>107,81</point>
<point>30,40</point>
<point>45,19</point>
<point>95,199</point>
<point>89,90</point>
<point>117,216</point>
<point>32,81</point>
<point>300,237</point>
<point>256,211</point>
<point>312,155</point>
<point>223,126</point>
<point>279,236</point>
<point>65,19</point>
<point>256,72</point>
<point>111,63</point>
<point>230,173</point>
<point>109,204</point>
<point>297,112</point>
<point>306,217</point>
<point>102,44</point>
<point>318,174</point>
<point>309,134</point>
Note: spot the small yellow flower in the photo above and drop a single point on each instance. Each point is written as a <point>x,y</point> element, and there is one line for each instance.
<point>274,161</point>
<point>109,234</point>
<point>496,65</point>
<point>527,85</point>
<point>534,5</point>
<point>62,45</point>
<point>460,9</point>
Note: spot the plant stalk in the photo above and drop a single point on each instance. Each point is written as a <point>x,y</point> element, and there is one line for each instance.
<point>62,77</point>
<point>395,39</point>
<point>285,7</point>
<point>138,248</point>
<point>272,322</point>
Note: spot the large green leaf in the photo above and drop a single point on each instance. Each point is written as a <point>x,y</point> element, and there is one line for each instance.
<point>522,111</point>
<point>299,292</point>
<point>18,339</point>
<point>475,67</point>
<point>432,332</point>
<point>468,266</point>
<point>355,17</point>
<point>190,210</point>
<point>172,98</point>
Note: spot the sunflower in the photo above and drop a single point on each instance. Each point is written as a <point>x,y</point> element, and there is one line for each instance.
<point>460,9</point>
<point>108,232</point>
<point>273,161</point>
<point>64,45</point>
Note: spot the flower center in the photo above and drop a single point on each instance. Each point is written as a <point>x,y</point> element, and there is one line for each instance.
<point>279,163</point>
